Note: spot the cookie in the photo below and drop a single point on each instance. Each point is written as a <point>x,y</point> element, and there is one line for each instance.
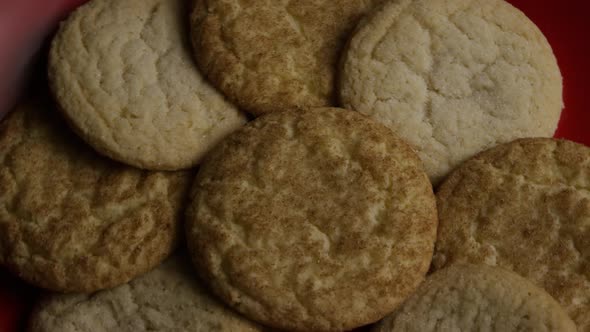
<point>268,55</point>
<point>523,206</point>
<point>478,298</point>
<point>453,77</point>
<point>71,220</point>
<point>312,220</point>
<point>168,298</point>
<point>123,74</point>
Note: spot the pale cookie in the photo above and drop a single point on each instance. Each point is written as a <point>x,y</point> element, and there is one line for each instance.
<point>269,55</point>
<point>524,206</point>
<point>312,220</point>
<point>453,77</point>
<point>478,298</point>
<point>168,298</point>
<point>71,220</point>
<point>123,74</point>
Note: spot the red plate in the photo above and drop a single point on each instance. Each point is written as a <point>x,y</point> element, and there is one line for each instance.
<point>565,25</point>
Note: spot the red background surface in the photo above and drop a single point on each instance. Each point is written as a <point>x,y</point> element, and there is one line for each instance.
<point>566,25</point>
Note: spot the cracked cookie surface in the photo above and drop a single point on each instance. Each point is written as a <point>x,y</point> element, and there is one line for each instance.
<point>269,55</point>
<point>123,74</point>
<point>71,220</point>
<point>312,220</point>
<point>478,298</point>
<point>168,298</point>
<point>524,206</point>
<point>452,77</point>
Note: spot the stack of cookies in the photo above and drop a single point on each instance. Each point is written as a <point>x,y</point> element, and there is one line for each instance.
<point>319,214</point>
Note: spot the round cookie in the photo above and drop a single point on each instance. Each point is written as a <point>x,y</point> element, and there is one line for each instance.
<point>312,220</point>
<point>123,74</point>
<point>268,55</point>
<point>477,298</point>
<point>453,77</point>
<point>71,220</point>
<point>168,298</point>
<point>523,206</point>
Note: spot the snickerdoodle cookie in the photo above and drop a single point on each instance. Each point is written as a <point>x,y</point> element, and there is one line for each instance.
<point>453,77</point>
<point>123,74</point>
<point>72,220</point>
<point>312,220</point>
<point>478,298</point>
<point>167,299</point>
<point>269,55</point>
<point>524,206</point>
